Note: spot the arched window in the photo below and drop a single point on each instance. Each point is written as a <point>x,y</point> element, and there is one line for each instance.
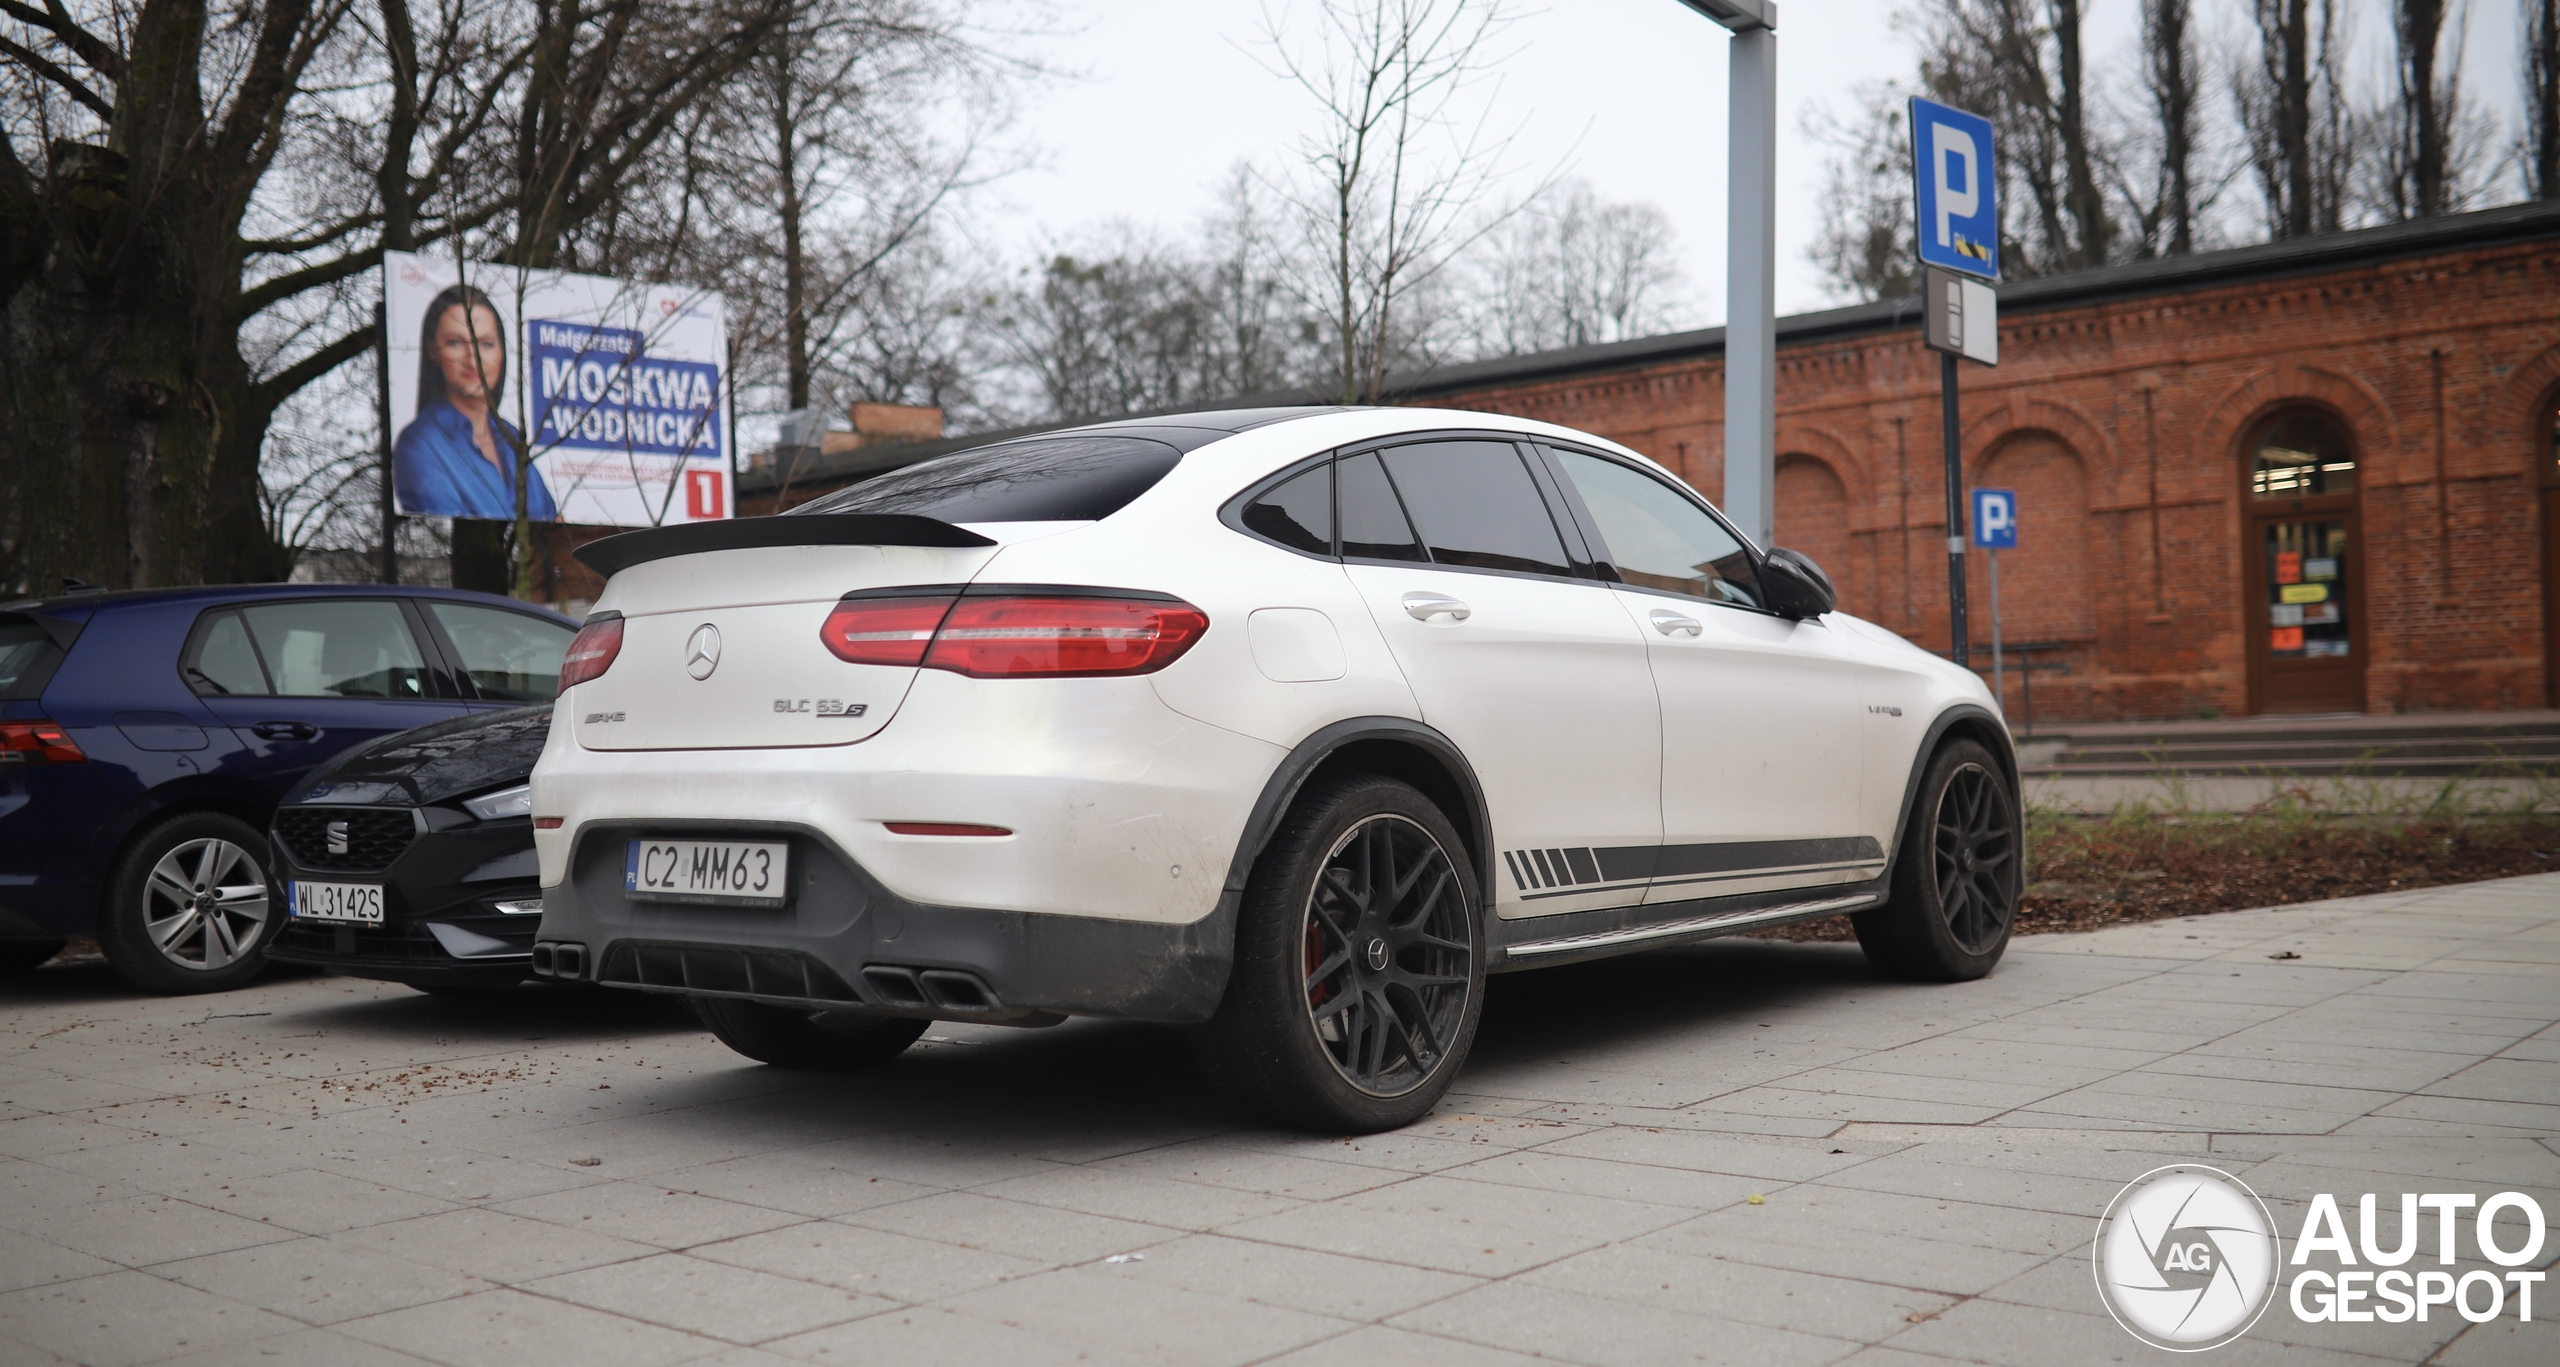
<point>2302,454</point>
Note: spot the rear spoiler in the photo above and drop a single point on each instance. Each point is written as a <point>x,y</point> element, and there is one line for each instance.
<point>611,555</point>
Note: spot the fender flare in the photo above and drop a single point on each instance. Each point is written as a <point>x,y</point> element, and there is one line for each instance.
<point>1981,720</point>
<point>1281,791</point>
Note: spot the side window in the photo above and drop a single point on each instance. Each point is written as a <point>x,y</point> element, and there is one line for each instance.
<point>1477,506</point>
<point>1297,514</point>
<point>338,648</point>
<point>223,661</point>
<point>512,656</point>
<point>1657,538</point>
<point>1373,522</point>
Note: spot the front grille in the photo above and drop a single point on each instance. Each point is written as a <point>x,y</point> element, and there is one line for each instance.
<point>374,836</point>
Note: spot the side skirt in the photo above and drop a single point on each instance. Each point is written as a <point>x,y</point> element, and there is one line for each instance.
<point>1571,938</point>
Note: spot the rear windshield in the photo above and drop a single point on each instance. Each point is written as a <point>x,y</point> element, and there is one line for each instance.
<point>27,658</point>
<point>1058,479</point>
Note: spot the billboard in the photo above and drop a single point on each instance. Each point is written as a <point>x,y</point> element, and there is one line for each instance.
<point>608,397</point>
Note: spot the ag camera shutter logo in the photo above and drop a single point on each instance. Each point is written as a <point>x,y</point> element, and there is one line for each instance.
<point>2186,1258</point>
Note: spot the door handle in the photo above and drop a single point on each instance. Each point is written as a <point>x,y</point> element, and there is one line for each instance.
<point>1670,623</point>
<point>1426,607</point>
<point>284,730</point>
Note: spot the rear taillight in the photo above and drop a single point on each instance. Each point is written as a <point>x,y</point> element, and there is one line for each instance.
<point>37,742</point>
<point>1036,636</point>
<point>591,652</point>
<point>887,630</point>
<point>1014,635</point>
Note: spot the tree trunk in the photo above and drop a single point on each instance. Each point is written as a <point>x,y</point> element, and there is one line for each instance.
<point>2087,202</point>
<point>2173,96</point>
<point>2293,114</point>
<point>2421,26</point>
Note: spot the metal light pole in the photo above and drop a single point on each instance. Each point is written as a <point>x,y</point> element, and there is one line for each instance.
<point>1751,265</point>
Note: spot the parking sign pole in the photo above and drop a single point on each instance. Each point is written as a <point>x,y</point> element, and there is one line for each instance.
<point>1751,264</point>
<point>1959,647</point>
<point>1999,678</point>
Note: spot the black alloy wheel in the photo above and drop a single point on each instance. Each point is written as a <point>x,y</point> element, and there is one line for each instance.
<point>1387,955</point>
<point>1359,969</point>
<point>1973,858</point>
<point>1957,876</point>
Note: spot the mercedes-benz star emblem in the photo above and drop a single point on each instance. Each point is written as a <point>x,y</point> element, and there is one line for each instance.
<point>702,651</point>
<point>1377,956</point>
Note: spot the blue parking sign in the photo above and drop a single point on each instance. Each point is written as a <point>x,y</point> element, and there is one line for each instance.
<point>1955,189</point>
<point>1995,519</point>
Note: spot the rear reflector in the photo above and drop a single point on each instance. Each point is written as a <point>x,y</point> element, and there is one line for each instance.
<point>37,742</point>
<point>547,823</point>
<point>591,652</point>
<point>884,630</point>
<point>942,828</point>
<point>1031,636</point>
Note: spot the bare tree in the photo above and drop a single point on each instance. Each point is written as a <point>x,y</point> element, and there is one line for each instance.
<point>1391,183</point>
<point>2169,82</point>
<point>2432,146</point>
<point>1572,270</point>
<point>2019,63</point>
<point>2541,61</point>
<point>1864,247</point>
<point>2296,111</point>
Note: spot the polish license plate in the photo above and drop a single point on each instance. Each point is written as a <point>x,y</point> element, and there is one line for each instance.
<point>336,901</point>
<point>735,873</point>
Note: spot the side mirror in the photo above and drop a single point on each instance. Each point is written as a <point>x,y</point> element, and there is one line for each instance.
<point>1795,586</point>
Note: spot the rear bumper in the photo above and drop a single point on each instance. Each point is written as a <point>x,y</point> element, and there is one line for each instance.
<point>844,941</point>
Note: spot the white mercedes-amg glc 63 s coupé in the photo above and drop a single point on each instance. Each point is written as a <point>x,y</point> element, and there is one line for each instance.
<point>1286,724</point>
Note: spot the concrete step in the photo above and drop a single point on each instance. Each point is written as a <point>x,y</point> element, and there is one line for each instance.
<point>2452,746</point>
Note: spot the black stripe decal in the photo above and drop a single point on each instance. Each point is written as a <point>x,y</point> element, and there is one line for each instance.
<point>1585,869</point>
<point>1546,875</point>
<point>1518,883</point>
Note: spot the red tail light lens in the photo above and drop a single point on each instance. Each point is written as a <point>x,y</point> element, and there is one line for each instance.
<point>591,652</point>
<point>1016,636</point>
<point>884,630</point>
<point>37,742</point>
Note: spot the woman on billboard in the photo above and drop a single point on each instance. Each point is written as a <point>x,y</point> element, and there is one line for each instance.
<point>457,457</point>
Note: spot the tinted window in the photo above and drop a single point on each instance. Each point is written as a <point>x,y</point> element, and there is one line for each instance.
<point>27,658</point>
<point>1658,538</point>
<point>1297,514</point>
<point>1060,479</point>
<point>338,649</point>
<point>224,660</point>
<point>1476,505</point>
<point>1373,522</point>
<point>512,656</point>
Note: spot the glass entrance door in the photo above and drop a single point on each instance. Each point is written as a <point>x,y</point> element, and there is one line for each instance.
<point>2306,639</point>
<point>2309,660</point>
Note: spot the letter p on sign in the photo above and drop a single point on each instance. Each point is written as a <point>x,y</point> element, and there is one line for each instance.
<point>1956,189</point>
<point>1995,519</point>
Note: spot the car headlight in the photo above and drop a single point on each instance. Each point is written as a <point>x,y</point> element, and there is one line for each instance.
<point>515,801</point>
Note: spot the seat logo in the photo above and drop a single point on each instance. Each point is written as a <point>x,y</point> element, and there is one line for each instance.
<point>2186,1258</point>
<point>337,837</point>
<point>702,651</point>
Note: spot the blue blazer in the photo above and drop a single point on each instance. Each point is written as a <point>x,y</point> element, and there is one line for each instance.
<point>437,470</point>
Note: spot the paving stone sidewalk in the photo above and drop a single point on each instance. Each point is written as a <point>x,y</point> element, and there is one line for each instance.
<point>1739,1152</point>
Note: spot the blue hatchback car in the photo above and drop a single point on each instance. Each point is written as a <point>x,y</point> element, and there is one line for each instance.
<point>146,736</point>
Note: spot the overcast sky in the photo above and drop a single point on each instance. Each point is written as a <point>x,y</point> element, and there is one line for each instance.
<point>1163,96</point>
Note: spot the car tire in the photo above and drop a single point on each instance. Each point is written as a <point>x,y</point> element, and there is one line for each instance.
<point>1957,878</point>
<point>1359,969</point>
<point>26,956</point>
<point>807,1041</point>
<point>191,906</point>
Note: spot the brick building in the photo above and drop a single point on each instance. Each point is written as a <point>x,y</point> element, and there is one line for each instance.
<point>2314,476</point>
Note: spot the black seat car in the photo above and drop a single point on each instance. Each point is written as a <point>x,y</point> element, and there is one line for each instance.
<point>146,736</point>
<point>411,858</point>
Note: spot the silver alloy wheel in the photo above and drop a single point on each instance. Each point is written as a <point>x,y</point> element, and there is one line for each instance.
<point>205,904</point>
